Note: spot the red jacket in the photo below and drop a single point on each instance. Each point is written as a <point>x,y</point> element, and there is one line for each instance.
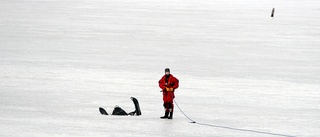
<point>170,82</point>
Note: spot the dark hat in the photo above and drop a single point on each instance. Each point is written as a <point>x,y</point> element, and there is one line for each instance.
<point>167,70</point>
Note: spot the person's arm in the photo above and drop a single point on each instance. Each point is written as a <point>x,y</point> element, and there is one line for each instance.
<point>162,84</point>
<point>176,83</point>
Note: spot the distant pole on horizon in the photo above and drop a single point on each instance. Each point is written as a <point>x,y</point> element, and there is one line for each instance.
<point>272,13</point>
<point>273,9</point>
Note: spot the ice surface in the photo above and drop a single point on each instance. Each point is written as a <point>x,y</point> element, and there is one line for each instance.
<point>241,71</point>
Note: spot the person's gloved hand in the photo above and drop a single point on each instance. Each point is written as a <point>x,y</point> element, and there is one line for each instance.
<point>169,89</point>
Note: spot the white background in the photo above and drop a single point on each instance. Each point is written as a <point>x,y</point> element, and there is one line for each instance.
<point>239,69</point>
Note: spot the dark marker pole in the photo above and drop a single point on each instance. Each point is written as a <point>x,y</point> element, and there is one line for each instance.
<point>272,13</point>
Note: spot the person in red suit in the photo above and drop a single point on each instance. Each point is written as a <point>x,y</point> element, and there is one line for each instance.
<point>168,83</point>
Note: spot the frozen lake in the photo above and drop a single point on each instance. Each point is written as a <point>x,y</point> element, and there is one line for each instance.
<point>242,73</point>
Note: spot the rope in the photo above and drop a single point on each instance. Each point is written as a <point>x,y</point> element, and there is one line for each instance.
<point>231,128</point>
<point>191,121</point>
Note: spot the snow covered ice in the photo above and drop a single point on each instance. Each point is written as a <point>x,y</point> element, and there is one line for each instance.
<point>241,71</point>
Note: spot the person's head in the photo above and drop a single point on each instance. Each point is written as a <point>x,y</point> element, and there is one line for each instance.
<point>167,71</point>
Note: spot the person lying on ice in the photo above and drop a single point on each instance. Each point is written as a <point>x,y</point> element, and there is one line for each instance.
<point>119,111</point>
<point>168,83</point>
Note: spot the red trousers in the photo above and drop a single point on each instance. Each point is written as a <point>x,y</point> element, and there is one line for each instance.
<point>168,100</point>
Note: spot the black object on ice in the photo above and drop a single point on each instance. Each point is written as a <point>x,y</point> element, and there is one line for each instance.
<point>120,112</point>
<point>102,111</point>
<point>136,106</point>
<point>272,13</point>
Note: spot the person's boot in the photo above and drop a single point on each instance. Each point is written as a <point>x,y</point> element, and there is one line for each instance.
<point>171,115</point>
<point>165,115</point>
